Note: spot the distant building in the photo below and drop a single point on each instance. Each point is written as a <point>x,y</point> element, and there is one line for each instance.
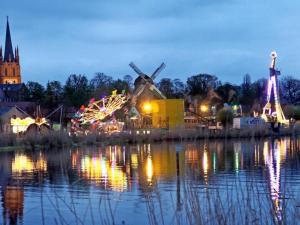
<point>10,71</point>
<point>11,88</point>
<point>6,113</point>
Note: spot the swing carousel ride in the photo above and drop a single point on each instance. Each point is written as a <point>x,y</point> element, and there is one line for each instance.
<point>91,118</point>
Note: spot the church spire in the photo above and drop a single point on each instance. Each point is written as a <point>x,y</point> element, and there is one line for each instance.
<point>8,52</point>
<point>1,58</point>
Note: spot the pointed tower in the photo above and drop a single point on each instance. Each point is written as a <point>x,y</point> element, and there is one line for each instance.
<point>1,58</point>
<point>10,72</point>
<point>8,52</point>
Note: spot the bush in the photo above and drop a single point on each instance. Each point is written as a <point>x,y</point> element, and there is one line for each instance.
<point>292,111</point>
<point>8,140</point>
<point>225,116</point>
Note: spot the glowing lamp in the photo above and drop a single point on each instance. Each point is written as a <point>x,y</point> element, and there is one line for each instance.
<point>203,108</point>
<point>147,107</point>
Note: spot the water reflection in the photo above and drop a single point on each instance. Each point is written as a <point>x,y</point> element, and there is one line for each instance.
<point>12,203</point>
<point>22,163</point>
<point>138,168</point>
<point>105,168</point>
<point>149,169</point>
<point>205,164</point>
<point>274,155</point>
<point>19,169</point>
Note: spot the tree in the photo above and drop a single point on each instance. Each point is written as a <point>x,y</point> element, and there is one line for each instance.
<point>228,93</point>
<point>201,83</point>
<point>102,85</point>
<point>166,86</point>
<point>36,92</point>
<point>120,85</point>
<point>291,89</point>
<point>247,97</point>
<point>179,88</point>
<point>129,80</point>
<point>225,116</point>
<point>100,80</point>
<point>77,90</point>
<point>292,111</point>
<point>259,89</point>
<point>53,94</point>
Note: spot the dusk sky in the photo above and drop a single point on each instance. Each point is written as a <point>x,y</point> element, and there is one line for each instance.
<point>226,38</point>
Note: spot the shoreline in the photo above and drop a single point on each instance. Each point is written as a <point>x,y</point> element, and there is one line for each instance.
<point>61,139</point>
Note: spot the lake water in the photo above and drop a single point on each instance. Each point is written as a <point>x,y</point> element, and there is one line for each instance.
<point>205,182</point>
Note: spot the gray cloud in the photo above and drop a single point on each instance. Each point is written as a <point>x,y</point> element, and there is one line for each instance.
<point>225,38</point>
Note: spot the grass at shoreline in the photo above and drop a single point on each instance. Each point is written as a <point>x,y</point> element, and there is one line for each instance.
<point>56,139</point>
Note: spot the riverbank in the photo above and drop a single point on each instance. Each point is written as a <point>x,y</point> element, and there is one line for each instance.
<point>56,139</point>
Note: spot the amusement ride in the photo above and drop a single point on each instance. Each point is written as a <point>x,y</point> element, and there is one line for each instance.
<point>273,112</point>
<point>97,114</point>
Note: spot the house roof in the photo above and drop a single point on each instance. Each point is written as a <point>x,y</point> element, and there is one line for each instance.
<point>6,113</point>
<point>4,110</point>
<point>11,87</point>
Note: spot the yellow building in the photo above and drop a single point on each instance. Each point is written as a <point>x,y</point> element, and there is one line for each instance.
<point>167,113</point>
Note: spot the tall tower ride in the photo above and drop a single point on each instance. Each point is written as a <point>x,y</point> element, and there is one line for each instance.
<point>10,71</point>
<point>273,113</point>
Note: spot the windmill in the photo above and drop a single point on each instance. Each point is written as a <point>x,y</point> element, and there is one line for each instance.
<point>145,81</point>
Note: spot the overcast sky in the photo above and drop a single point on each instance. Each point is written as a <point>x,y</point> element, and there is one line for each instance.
<point>227,38</point>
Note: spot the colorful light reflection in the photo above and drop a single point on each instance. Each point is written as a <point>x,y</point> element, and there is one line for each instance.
<point>22,164</point>
<point>149,169</point>
<point>100,170</point>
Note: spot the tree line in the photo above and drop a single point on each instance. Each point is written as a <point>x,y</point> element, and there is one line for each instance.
<point>78,89</point>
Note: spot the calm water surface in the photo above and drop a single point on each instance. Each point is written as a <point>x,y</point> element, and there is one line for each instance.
<point>226,182</point>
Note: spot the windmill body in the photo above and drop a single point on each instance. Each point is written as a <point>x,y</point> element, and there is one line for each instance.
<point>145,81</point>
<point>144,86</point>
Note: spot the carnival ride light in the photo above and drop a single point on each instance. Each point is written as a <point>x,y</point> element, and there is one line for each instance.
<point>96,111</point>
<point>277,114</point>
<point>99,110</point>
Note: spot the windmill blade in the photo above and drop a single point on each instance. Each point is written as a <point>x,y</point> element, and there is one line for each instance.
<point>139,90</point>
<point>157,91</point>
<point>137,70</point>
<point>157,71</point>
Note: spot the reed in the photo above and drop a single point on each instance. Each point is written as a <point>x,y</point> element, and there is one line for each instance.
<point>236,202</point>
<point>59,139</point>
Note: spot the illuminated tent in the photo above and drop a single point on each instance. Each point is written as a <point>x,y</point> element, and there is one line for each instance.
<point>6,113</point>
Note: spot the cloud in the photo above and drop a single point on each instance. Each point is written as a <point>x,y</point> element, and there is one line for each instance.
<point>225,38</point>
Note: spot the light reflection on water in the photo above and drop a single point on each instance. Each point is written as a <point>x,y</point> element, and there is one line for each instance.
<point>135,171</point>
<point>273,160</point>
<point>21,163</point>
